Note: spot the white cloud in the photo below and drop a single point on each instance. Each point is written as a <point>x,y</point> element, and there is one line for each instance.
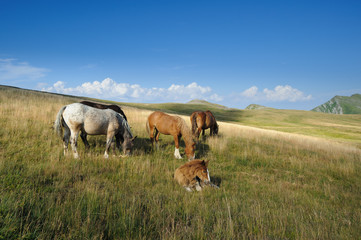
<point>11,69</point>
<point>109,89</point>
<point>285,93</point>
<point>250,92</point>
<point>278,94</point>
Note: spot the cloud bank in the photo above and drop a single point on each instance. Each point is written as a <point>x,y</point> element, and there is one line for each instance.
<point>112,90</point>
<point>109,89</point>
<point>278,94</point>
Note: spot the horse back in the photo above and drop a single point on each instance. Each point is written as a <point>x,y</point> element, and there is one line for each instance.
<point>114,107</point>
<point>91,120</point>
<point>210,119</point>
<point>186,173</point>
<point>164,123</point>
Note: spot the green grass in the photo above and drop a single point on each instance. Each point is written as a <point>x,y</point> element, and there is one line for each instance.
<point>345,128</point>
<point>270,188</point>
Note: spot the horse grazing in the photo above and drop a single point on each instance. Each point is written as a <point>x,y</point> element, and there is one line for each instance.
<point>114,107</point>
<point>201,121</point>
<point>78,117</point>
<point>159,122</point>
<point>193,174</point>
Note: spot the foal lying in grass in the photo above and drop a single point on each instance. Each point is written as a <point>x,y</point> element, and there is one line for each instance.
<point>193,174</point>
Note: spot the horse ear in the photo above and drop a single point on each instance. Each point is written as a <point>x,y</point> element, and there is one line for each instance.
<point>206,163</point>
<point>134,138</point>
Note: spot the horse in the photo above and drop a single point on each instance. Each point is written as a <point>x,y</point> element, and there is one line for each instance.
<point>193,174</point>
<point>114,107</point>
<point>159,122</point>
<point>78,117</point>
<point>105,106</point>
<point>201,121</point>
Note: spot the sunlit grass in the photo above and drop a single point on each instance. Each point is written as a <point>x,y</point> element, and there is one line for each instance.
<point>273,185</point>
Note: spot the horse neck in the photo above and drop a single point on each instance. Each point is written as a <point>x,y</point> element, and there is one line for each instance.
<point>125,125</point>
<point>186,133</point>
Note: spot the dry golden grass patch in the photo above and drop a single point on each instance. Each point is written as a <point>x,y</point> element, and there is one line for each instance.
<point>302,141</point>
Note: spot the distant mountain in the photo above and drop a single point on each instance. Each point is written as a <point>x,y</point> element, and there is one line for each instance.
<point>256,106</point>
<point>341,105</point>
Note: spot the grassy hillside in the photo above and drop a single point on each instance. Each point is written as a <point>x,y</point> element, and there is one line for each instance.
<point>273,185</point>
<point>341,105</point>
<point>341,128</point>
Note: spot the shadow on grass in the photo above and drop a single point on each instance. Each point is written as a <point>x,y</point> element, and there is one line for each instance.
<point>216,180</point>
<point>201,149</point>
<point>143,145</point>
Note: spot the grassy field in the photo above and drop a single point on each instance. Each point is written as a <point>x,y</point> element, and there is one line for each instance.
<point>341,128</point>
<point>282,175</point>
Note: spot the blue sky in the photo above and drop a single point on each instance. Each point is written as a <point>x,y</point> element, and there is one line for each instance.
<point>282,54</point>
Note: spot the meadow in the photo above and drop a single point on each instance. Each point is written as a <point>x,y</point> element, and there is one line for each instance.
<point>282,175</point>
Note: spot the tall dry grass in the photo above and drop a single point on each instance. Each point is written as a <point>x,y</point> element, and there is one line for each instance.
<point>272,185</point>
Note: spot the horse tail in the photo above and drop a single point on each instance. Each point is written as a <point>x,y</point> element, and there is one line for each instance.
<point>147,126</point>
<point>59,122</point>
<point>194,122</point>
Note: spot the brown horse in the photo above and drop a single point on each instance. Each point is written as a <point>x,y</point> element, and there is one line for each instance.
<point>193,174</point>
<point>113,107</point>
<point>159,122</point>
<point>201,121</point>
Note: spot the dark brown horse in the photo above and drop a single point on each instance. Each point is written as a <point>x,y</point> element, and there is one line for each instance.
<point>201,121</point>
<point>114,107</point>
<point>159,122</point>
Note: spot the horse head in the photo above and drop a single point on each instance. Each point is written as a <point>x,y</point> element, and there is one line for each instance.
<point>190,150</point>
<point>215,130</point>
<point>202,172</point>
<point>128,145</point>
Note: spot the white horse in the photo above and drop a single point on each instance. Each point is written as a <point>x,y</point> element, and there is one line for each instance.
<point>78,117</point>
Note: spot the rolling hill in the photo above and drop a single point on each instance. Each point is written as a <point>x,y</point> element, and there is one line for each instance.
<point>256,107</point>
<point>341,105</point>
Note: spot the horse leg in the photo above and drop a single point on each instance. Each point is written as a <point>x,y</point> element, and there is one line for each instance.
<point>203,134</point>
<point>66,139</point>
<point>157,133</point>
<point>188,189</point>
<point>108,143</point>
<point>198,186</point>
<point>151,134</point>
<point>176,151</point>
<point>118,139</point>
<point>73,142</point>
<point>199,132</point>
<point>83,136</point>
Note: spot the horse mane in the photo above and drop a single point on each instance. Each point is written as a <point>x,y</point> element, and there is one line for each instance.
<point>125,124</point>
<point>185,130</point>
